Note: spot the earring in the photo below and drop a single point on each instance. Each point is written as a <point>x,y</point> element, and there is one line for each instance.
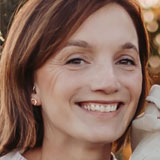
<point>34,89</point>
<point>34,101</point>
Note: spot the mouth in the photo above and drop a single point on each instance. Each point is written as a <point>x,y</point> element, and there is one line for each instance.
<point>100,107</point>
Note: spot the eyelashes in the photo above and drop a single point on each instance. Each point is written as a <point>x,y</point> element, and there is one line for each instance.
<point>80,61</point>
<point>127,61</point>
<point>76,61</point>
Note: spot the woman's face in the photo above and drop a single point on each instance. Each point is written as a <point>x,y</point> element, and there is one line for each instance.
<point>90,89</point>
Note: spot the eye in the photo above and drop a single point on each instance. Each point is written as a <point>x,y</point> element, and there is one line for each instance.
<point>76,61</point>
<point>127,61</point>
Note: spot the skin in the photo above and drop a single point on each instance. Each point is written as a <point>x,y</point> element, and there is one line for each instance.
<point>100,64</point>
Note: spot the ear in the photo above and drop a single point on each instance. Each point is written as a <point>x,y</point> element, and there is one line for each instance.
<point>35,99</point>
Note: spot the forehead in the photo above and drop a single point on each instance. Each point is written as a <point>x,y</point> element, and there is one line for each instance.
<point>111,24</point>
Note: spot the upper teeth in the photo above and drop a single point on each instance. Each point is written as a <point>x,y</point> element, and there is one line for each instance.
<point>101,107</point>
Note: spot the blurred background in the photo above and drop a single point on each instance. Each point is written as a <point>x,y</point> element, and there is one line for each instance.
<point>151,12</point>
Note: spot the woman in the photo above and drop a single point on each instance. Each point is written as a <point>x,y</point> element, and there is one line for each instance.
<point>69,71</point>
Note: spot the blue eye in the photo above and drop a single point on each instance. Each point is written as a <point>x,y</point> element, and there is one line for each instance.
<point>126,61</point>
<point>75,61</point>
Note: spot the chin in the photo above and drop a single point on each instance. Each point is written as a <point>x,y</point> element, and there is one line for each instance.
<point>102,138</point>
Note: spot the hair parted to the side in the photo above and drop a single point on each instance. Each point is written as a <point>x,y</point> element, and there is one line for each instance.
<point>39,30</point>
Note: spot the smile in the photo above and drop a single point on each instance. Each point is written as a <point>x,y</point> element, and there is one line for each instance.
<point>97,107</point>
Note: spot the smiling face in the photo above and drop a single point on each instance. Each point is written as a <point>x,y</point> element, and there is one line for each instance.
<point>90,89</point>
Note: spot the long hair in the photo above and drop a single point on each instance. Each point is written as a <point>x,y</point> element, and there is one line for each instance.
<point>39,30</point>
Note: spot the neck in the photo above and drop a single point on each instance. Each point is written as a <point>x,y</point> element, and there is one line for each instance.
<point>70,151</point>
<point>75,150</point>
<point>69,148</point>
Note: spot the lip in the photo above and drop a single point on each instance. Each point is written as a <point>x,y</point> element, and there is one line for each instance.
<point>80,103</point>
<point>99,102</point>
<point>98,113</point>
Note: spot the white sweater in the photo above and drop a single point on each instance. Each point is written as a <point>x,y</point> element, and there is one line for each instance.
<point>146,129</point>
<point>13,156</point>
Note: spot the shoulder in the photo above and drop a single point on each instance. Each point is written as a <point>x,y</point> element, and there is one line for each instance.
<point>145,133</point>
<point>13,156</point>
<point>154,95</point>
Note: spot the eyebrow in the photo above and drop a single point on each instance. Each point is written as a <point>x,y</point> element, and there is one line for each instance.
<point>78,43</point>
<point>129,45</point>
<point>84,44</point>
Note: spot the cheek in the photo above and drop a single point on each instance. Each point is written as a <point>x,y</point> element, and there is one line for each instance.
<point>46,80</point>
<point>134,85</point>
<point>68,85</point>
<point>132,81</point>
<point>57,84</point>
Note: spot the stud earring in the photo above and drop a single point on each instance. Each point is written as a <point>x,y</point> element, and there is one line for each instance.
<point>34,101</point>
<point>34,89</point>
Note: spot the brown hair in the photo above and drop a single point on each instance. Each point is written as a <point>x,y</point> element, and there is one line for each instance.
<point>39,30</point>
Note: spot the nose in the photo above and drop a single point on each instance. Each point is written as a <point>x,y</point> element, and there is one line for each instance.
<point>105,79</point>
